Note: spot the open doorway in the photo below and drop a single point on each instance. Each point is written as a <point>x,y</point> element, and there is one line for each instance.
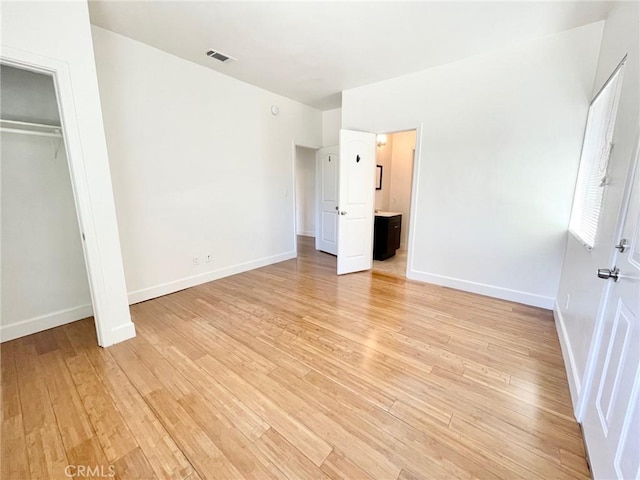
<point>305,214</point>
<point>395,154</point>
<point>43,271</point>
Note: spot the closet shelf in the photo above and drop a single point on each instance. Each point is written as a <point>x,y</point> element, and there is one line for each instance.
<point>27,128</point>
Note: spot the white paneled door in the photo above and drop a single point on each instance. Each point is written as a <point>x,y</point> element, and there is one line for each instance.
<point>612,418</point>
<point>356,194</point>
<point>327,195</point>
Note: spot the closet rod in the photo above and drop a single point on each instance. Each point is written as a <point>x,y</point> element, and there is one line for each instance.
<point>30,132</point>
<point>26,128</point>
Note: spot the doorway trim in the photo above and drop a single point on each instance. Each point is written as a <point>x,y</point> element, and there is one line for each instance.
<point>417,156</point>
<point>94,258</point>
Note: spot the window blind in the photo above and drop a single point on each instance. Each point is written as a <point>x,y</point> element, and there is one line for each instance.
<point>594,159</point>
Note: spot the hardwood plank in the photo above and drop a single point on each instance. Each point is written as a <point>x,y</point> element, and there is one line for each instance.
<point>303,438</point>
<point>369,458</point>
<point>72,419</point>
<point>134,464</point>
<point>110,427</point>
<point>288,459</point>
<point>519,459</point>
<point>88,457</point>
<point>574,462</point>
<point>44,342</point>
<point>371,424</point>
<point>407,475</point>
<point>13,458</point>
<point>230,441</point>
<point>201,451</point>
<point>14,461</point>
<point>46,452</point>
<point>230,409</point>
<point>166,459</point>
<point>290,371</point>
<point>339,467</point>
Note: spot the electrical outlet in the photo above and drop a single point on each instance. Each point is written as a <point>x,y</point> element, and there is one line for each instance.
<point>196,261</point>
<point>209,258</point>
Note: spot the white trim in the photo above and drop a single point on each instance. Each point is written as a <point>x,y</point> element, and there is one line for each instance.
<point>413,217</point>
<point>187,282</point>
<point>294,197</point>
<point>44,322</point>
<point>307,233</point>
<point>575,385</point>
<point>123,332</point>
<point>483,289</point>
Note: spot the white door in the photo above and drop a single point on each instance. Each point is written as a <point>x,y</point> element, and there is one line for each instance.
<point>356,192</point>
<point>327,198</point>
<point>612,418</point>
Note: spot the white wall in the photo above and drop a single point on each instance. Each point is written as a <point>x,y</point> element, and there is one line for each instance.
<point>401,173</point>
<point>498,154</point>
<point>44,279</point>
<point>305,192</point>
<point>577,320</point>
<point>200,166</point>
<point>331,125</point>
<point>59,32</point>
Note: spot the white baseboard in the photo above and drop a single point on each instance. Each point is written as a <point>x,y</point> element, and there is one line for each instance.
<point>44,322</point>
<point>122,333</point>
<point>575,386</point>
<point>518,296</point>
<point>180,284</point>
<point>307,233</point>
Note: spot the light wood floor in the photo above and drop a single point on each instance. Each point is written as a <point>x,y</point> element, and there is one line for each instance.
<point>292,372</point>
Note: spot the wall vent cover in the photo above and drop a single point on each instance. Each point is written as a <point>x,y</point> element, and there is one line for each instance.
<point>222,57</point>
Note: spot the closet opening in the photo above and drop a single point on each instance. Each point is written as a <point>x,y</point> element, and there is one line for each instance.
<point>43,273</point>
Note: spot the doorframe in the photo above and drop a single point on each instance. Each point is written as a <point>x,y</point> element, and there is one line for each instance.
<point>294,159</point>
<point>414,185</point>
<point>59,71</point>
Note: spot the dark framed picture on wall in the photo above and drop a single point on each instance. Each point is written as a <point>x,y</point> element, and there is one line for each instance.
<point>378,177</point>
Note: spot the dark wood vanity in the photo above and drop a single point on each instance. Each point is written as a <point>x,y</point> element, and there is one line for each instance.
<point>386,234</point>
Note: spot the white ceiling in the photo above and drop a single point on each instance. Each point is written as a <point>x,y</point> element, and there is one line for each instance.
<point>311,51</point>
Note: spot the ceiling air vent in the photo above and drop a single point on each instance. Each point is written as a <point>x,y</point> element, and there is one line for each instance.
<point>220,56</point>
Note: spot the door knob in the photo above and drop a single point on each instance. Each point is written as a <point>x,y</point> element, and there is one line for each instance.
<point>606,273</point>
<point>343,212</point>
<point>622,246</point>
